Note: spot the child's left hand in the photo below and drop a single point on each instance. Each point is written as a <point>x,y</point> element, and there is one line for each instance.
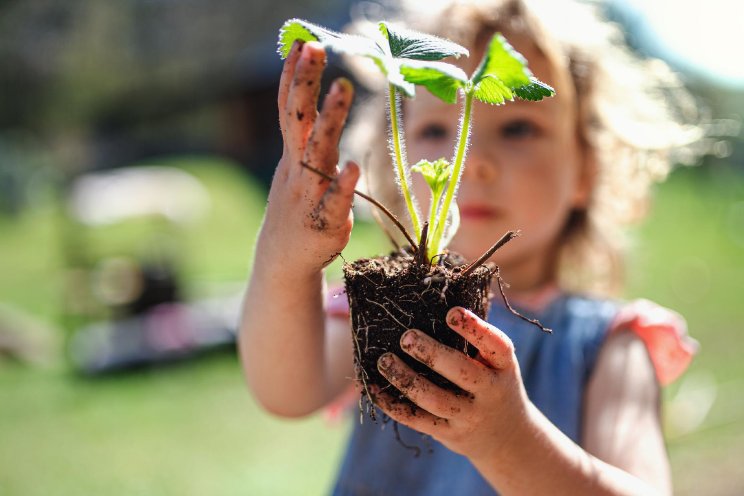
<point>480,425</point>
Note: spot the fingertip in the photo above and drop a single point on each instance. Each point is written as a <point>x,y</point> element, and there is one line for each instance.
<point>455,316</point>
<point>385,361</point>
<point>352,168</point>
<point>312,49</point>
<point>343,86</point>
<point>349,175</point>
<point>295,50</point>
<point>408,338</point>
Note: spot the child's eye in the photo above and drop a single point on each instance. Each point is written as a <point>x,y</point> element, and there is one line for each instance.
<point>519,129</point>
<point>433,132</point>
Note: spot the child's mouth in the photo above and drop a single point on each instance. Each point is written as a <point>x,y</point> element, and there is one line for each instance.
<point>478,212</point>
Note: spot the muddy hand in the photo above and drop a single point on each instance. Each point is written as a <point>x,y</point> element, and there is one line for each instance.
<point>308,220</point>
<point>474,423</point>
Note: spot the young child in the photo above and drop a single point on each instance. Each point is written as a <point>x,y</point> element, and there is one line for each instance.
<point>575,412</point>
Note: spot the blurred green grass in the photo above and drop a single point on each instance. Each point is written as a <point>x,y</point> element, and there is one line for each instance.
<point>689,256</point>
<point>192,428</point>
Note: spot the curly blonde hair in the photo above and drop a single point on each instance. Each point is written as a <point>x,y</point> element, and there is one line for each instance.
<point>633,114</point>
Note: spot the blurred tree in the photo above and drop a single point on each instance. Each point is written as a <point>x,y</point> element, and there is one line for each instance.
<point>151,74</point>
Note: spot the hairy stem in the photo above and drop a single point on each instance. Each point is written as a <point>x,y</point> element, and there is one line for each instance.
<point>399,162</point>
<point>435,200</point>
<point>462,146</point>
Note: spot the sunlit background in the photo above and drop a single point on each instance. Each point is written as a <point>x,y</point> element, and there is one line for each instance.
<point>137,139</point>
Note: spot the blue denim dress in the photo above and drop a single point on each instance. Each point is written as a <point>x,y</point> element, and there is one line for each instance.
<point>555,369</point>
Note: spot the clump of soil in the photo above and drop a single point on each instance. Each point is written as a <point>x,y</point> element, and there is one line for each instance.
<point>389,295</point>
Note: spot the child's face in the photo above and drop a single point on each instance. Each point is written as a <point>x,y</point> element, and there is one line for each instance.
<point>523,171</point>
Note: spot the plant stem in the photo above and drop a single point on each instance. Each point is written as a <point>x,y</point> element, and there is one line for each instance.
<point>435,200</point>
<point>482,259</point>
<point>400,166</point>
<point>462,146</point>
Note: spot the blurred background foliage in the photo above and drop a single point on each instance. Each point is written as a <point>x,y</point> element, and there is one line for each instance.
<point>90,88</point>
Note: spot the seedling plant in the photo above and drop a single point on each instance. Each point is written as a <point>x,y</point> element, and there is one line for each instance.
<point>389,295</point>
<point>407,59</point>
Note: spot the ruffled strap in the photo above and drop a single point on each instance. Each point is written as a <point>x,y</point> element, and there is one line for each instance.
<point>337,304</point>
<point>664,332</point>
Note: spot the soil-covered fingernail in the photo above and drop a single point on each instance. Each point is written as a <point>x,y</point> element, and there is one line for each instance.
<point>385,361</point>
<point>408,339</point>
<point>342,85</point>
<point>455,316</point>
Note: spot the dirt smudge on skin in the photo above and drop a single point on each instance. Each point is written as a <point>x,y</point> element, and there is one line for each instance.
<point>318,222</point>
<point>330,259</point>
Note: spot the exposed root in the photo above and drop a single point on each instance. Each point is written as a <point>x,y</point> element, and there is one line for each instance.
<point>402,325</point>
<point>416,450</point>
<point>508,306</point>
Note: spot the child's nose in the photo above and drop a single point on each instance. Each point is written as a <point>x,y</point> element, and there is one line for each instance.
<point>480,164</point>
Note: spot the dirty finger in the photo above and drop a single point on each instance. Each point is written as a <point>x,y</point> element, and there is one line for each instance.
<point>284,83</point>
<point>322,148</point>
<point>302,100</point>
<point>418,389</point>
<point>410,416</point>
<point>332,211</point>
<point>453,365</point>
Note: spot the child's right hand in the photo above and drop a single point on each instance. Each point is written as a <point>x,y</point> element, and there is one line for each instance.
<point>308,218</point>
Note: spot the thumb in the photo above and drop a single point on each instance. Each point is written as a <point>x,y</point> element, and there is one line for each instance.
<point>335,205</point>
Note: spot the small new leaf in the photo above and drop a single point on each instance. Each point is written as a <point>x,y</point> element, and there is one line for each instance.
<point>503,74</point>
<point>407,44</point>
<point>436,174</point>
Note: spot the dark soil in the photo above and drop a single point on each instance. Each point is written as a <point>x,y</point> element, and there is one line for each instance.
<point>389,295</point>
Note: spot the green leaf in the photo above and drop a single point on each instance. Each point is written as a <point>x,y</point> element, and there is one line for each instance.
<point>492,90</point>
<point>441,79</point>
<point>502,61</point>
<point>407,44</point>
<point>291,31</point>
<point>535,91</point>
<point>503,74</point>
<point>297,29</point>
